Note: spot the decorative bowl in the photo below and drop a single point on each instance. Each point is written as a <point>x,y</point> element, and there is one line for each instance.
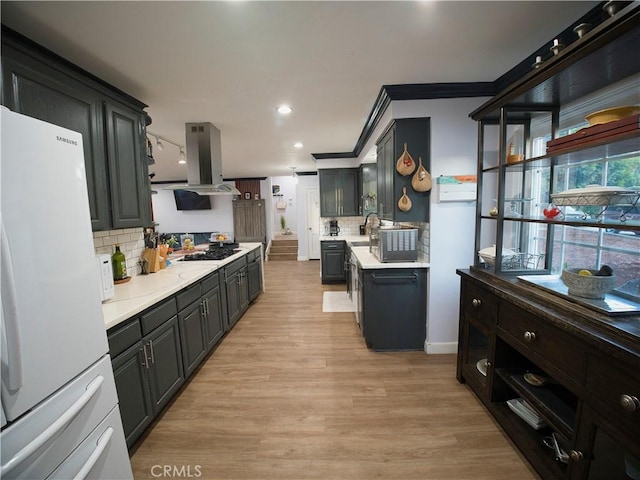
<point>587,286</point>
<point>611,114</point>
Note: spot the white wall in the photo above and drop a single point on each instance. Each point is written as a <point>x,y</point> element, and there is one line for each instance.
<point>288,190</point>
<point>305,182</point>
<point>170,219</point>
<point>452,225</point>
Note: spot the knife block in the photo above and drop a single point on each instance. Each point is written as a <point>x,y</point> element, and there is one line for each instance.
<point>152,256</point>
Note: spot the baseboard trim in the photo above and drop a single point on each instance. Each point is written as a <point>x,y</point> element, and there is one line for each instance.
<point>440,348</point>
<point>303,259</point>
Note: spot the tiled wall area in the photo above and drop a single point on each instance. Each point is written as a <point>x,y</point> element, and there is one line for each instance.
<point>423,239</point>
<point>131,242</point>
<point>348,225</point>
<point>351,226</point>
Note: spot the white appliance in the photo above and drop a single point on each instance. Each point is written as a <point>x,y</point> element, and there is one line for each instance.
<point>105,270</point>
<point>60,416</point>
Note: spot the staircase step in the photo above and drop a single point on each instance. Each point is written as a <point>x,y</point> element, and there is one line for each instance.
<point>288,243</point>
<point>283,256</point>
<point>283,249</point>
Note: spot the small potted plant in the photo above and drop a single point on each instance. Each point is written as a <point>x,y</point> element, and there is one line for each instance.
<point>283,224</point>
<point>170,240</point>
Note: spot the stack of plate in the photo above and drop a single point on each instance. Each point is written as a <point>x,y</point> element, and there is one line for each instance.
<point>520,407</point>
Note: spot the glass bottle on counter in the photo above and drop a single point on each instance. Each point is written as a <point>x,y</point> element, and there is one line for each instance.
<point>119,263</point>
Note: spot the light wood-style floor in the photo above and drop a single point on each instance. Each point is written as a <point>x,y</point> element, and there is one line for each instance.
<point>293,393</point>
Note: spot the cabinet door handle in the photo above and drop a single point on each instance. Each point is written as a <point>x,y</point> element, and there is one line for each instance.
<point>529,336</point>
<point>206,304</point>
<point>145,361</point>
<point>576,455</point>
<point>629,402</point>
<point>476,302</point>
<point>146,356</point>
<point>153,360</point>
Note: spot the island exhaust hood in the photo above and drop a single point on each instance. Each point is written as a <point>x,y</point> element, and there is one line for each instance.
<point>204,161</point>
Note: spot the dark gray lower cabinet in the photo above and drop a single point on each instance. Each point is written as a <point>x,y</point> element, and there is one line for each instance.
<point>254,274</point>
<point>192,336</point>
<point>213,317</point>
<point>148,369</point>
<point>237,290</point>
<point>129,370</point>
<point>394,308</point>
<point>152,353</point>
<point>164,363</point>
<point>333,258</point>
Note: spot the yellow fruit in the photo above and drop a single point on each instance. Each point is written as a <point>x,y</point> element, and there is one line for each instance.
<point>585,273</point>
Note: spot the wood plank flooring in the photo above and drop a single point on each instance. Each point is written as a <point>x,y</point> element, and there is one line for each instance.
<point>293,393</point>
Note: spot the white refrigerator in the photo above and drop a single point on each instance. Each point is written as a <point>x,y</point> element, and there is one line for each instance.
<point>60,416</point>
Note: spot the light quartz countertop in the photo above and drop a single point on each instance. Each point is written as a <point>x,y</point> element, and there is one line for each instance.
<point>350,239</point>
<point>368,261</point>
<point>143,291</point>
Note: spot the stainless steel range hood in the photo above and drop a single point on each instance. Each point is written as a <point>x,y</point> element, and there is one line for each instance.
<point>204,161</point>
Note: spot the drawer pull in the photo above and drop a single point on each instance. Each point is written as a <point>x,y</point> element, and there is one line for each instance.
<point>629,403</point>
<point>529,336</point>
<point>576,455</point>
<point>476,302</point>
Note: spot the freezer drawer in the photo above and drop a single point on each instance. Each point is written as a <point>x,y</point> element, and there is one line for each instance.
<point>36,444</point>
<point>101,456</point>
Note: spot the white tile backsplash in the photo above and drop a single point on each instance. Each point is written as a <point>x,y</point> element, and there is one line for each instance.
<point>131,242</point>
<point>348,225</point>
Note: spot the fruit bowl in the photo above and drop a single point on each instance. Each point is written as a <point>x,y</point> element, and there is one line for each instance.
<point>611,115</point>
<point>587,286</point>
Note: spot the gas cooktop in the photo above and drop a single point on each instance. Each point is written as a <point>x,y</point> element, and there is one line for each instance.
<point>216,251</point>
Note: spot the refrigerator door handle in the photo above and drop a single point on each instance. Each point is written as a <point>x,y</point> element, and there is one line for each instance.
<point>55,427</point>
<point>101,445</point>
<point>12,363</point>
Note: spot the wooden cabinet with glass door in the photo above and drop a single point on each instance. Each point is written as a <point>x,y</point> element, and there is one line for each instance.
<point>556,193</point>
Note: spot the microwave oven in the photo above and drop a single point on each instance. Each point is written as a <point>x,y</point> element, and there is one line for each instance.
<point>394,244</point>
<point>105,272</point>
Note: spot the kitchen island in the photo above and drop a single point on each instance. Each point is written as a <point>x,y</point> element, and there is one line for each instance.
<point>162,326</point>
<point>390,301</point>
<point>143,291</point>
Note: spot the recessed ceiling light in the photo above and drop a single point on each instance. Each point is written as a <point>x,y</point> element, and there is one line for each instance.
<point>284,109</point>
<point>298,145</point>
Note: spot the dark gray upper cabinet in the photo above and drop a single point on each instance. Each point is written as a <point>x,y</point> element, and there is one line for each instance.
<point>339,192</point>
<point>40,84</point>
<point>128,175</point>
<point>415,132</point>
<point>41,92</point>
<point>368,189</point>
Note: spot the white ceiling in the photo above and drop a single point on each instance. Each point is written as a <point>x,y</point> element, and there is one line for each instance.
<point>232,63</point>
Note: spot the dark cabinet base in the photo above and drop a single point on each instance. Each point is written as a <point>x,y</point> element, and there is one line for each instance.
<point>394,308</point>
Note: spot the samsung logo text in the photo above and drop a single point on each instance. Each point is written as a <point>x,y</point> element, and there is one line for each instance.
<point>66,140</point>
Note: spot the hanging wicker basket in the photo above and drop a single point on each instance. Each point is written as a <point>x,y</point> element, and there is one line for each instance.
<point>405,164</point>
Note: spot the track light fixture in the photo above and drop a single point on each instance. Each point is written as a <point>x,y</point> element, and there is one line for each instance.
<point>182,159</point>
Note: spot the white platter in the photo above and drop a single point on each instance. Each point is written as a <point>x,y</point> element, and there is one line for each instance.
<point>596,195</point>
